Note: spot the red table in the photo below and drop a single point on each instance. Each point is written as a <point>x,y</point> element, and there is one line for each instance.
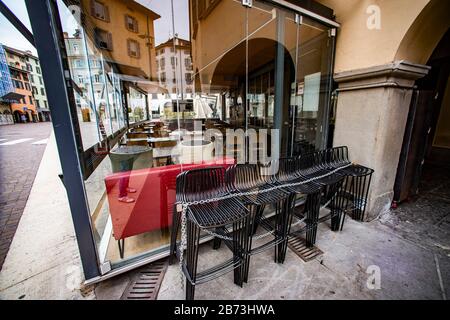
<point>155,197</point>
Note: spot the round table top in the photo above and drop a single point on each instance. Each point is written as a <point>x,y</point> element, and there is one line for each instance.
<point>130,149</point>
<point>195,143</point>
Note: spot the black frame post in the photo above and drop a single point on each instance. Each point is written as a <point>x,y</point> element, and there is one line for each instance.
<point>279,79</point>
<point>49,42</point>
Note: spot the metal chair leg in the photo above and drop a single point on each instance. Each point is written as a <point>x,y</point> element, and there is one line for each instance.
<point>287,215</point>
<point>193,242</point>
<point>336,209</point>
<point>121,244</point>
<point>242,247</point>
<point>312,208</point>
<point>278,230</point>
<point>259,210</point>
<point>176,220</point>
<point>217,243</point>
<point>248,240</point>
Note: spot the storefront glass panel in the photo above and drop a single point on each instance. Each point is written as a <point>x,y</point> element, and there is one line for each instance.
<point>310,93</point>
<point>156,87</point>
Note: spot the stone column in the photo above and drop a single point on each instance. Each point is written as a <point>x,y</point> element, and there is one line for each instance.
<point>372,109</point>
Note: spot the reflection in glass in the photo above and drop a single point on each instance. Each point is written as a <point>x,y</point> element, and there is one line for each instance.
<point>310,93</point>
<point>158,84</point>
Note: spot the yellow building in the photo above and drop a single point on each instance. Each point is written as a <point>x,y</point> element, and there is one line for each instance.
<point>124,30</point>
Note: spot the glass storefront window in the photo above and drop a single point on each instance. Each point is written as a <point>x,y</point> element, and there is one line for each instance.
<point>310,93</point>
<point>157,85</point>
<point>137,110</point>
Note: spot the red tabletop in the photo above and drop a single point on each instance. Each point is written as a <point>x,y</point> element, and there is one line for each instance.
<point>155,197</point>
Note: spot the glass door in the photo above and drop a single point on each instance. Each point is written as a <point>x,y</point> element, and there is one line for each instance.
<point>310,92</point>
<point>288,74</point>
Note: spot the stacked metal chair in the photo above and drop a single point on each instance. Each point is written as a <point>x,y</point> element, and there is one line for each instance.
<point>289,173</point>
<point>247,178</point>
<point>229,217</point>
<point>357,183</point>
<point>315,165</point>
<point>238,196</point>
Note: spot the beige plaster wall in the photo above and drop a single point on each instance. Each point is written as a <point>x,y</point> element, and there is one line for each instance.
<point>357,46</point>
<point>426,32</point>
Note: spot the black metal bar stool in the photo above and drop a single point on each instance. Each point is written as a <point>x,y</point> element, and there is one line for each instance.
<point>288,173</point>
<point>206,184</point>
<point>315,165</point>
<point>357,183</point>
<point>360,179</point>
<point>245,178</point>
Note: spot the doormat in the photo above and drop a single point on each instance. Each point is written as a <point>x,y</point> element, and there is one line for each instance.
<point>145,285</point>
<point>298,245</point>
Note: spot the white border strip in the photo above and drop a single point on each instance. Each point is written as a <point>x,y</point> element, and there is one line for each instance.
<point>104,242</point>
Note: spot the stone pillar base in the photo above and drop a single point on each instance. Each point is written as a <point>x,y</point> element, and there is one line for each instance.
<point>372,109</point>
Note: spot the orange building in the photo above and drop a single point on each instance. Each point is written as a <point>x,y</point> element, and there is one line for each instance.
<point>23,107</point>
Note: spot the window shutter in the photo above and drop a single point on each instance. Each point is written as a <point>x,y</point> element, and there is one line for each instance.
<point>136,26</point>
<point>92,8</point>
<point>109,41</point>
<point>129,47</point>
<point>138,50</point>
<point>106,13</point>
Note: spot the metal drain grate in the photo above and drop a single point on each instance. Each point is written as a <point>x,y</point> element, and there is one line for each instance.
<point>146,284</point>
<point>298,245</point>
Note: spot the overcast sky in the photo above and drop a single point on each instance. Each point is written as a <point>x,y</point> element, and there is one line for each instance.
<point>163,26</point>
<point>9,35</point>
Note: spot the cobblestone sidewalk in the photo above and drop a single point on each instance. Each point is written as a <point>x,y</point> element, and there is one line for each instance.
<point>21,150</point>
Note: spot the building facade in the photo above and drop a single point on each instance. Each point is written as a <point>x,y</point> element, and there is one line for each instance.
<point>37,86</point>
<point>30,98</point>
<point>174,67</point>
<point>113,42</point>
<point>23,108</point>
<point>6,87</point>
<point>86,74</point>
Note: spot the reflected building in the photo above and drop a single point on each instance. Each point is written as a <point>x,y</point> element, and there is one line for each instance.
<point>84,73</point>
<point>111,56</point>
<point>124,29</point>
<point>174,67</point>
